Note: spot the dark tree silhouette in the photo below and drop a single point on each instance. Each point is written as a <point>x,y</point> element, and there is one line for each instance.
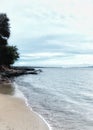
<point>4,26</point>
<point>3,41</point>
<point>8,54</point>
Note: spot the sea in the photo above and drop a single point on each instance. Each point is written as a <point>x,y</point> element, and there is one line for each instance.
<point>62,96</point>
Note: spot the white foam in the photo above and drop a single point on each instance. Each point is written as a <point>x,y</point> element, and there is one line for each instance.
<point>19,94</point>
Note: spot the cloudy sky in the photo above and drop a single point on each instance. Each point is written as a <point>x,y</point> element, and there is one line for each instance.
<point>51,32</point>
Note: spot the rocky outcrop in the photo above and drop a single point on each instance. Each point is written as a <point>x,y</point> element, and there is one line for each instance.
<point>6,72</point>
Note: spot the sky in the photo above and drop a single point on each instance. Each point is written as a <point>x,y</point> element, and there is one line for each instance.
<point>52,32</point>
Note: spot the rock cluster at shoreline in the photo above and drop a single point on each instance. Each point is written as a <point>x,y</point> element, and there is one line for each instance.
<point>7,73</point>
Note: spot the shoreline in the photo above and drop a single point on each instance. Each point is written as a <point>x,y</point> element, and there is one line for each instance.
<point>21,96</point>
<point>16,114</point>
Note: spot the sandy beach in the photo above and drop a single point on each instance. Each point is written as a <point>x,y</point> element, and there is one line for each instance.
<point>15,115</point>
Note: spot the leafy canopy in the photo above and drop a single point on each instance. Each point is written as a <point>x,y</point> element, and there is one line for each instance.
<point>8,54</point>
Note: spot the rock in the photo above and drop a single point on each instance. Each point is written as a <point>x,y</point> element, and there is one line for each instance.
<point>7,73</point>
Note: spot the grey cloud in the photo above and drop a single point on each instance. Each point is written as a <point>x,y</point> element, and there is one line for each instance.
<point>70,44</point>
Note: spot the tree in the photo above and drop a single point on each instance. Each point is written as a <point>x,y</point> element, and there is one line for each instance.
<point>8,54</point>
<point>4,26</point>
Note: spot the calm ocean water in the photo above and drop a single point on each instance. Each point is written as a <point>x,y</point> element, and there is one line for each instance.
<point>64,97</point>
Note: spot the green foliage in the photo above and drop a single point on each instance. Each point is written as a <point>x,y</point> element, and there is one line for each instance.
<point>4,26</point>
<point>3,41</point>
<point>8,54</point>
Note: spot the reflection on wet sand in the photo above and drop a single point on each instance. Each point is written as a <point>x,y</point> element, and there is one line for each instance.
<point>7,88</point>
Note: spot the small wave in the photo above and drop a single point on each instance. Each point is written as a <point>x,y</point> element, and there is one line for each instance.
<point>62,96</point>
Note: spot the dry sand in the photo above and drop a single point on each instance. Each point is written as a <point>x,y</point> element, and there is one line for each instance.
<point>15,115</point>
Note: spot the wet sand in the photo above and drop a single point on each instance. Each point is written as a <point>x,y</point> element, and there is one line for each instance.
<point>15,115</point>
